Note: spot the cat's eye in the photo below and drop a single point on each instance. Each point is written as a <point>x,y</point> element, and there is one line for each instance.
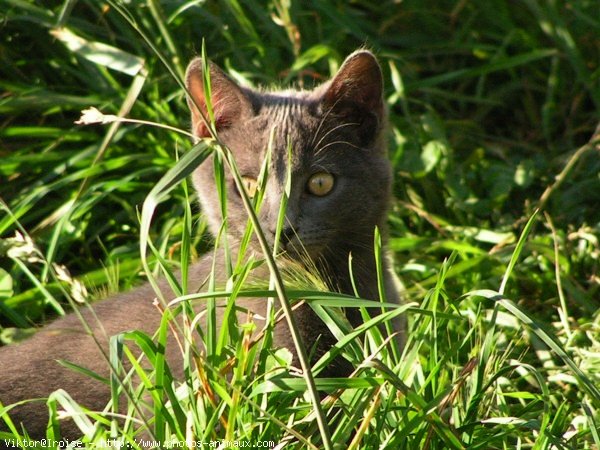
<point>320,184</point>
<point>251,186</point>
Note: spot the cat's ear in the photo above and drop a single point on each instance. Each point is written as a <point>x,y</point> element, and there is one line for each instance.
<point>229,102</point>
<point>358,82</point>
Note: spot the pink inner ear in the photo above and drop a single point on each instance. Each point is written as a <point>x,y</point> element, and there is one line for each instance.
<point>219,106</point>
<point>226,106</point>
<point>197,101</point>
<point>200,127</point>
<point>201,130</point>
<point>227,99</point>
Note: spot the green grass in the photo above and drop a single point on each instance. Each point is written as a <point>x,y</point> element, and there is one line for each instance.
<point>489,103</point>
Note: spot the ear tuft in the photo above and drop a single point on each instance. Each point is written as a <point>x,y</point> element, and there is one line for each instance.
<point>359,82</point>
<point>228,100</point>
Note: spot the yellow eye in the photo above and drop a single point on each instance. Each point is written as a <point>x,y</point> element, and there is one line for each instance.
<point>320,184</point>
<point>251,185</point>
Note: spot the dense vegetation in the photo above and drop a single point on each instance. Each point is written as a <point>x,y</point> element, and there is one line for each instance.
<point>492,108</point>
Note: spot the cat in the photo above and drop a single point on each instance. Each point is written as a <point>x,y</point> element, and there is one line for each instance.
<point>340,192</point>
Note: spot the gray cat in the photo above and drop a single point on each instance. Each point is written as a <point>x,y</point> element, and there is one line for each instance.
<point>340,191</point>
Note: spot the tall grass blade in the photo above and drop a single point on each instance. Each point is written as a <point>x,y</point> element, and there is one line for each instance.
<point>546,336</point>
<point>518,249</point>
<point>182,169</point>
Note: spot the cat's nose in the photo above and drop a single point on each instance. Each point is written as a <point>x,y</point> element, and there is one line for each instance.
<point>287,234</point>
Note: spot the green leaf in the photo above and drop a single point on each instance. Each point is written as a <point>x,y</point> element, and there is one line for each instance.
<point>6,284</point>
<point>99,53</point>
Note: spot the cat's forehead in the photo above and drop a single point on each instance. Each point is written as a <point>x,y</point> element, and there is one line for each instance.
<point>287,110</point>
<point>281,126</point>
<point>284,119</point>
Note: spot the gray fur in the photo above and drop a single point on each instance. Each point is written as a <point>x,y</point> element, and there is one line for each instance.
<point>337,128</point>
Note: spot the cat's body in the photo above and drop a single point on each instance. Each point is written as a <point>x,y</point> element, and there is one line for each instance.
<point>340,189</point>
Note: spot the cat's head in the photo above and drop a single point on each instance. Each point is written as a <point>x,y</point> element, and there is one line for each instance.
<point>332,139</point>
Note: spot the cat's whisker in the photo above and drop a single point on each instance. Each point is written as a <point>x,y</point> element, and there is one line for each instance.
<point>344,143</point>
<point>331,130</point>
<point>322,121</point>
